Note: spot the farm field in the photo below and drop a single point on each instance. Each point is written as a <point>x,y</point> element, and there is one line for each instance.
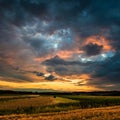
<point>104,113</point>
<point>59,107</point>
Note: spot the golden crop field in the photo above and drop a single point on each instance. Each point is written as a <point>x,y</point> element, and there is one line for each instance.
<point>25,102</point>
<point>21,102</point>
<point>104,113</point>
<point>65,107</point>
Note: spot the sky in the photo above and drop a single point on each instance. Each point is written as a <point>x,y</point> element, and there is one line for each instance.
<point>60,45</point>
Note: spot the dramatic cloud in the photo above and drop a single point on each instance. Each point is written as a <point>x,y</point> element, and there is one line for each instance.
<point>92,49</point>
<point>64,67</point>
<point>108,72</point>
<point>50,78</point>
<point>60,40</point>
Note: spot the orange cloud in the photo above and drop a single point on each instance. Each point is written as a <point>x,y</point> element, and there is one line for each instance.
<point>75,79</point>
<point>41,59</point>
<point>100,40</point>
<point>65,54</point>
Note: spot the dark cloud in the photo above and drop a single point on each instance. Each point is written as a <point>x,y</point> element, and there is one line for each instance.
<point>56,60</point>
<point>36,43</point>
<point>50,78</point>
<point>63,67</point>
<point>106,74</point>
<point>31,29</point>
<point>39,74</point>
<point>109,69</point>
<point>39,8</point>
<point>108,12</point>
<point>87,20</point>
<point>10,73</point>
<point>92,49</point>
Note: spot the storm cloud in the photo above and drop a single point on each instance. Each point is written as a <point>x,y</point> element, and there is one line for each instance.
<point>92,49</point>
<point>61,37</point>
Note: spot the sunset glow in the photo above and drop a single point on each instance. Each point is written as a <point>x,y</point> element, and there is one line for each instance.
<point>59,45</point>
